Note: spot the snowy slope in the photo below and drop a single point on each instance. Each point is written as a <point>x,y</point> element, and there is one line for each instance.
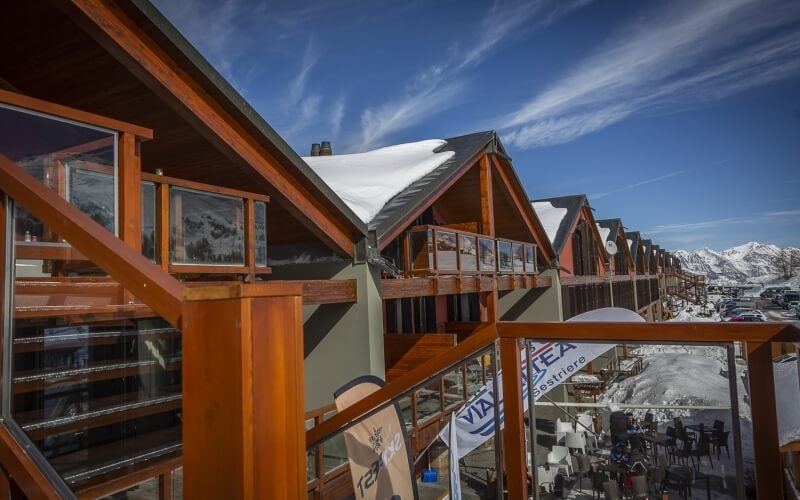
<point>749,262</point>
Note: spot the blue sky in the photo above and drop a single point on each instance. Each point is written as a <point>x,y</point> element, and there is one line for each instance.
<point>680,117</point>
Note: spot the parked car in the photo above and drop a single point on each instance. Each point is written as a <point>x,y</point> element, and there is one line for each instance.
<point>793,307</point>
<point>748,318</point>
<point>776,299</point>
<point>789,297</point>
<point>727,315</point>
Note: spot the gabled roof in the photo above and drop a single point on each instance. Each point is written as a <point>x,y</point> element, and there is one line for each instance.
<point>647,246</point>
<point>572,204</point>
<point>635,238</point>
<point>612,225</point>
<point>396,210</point>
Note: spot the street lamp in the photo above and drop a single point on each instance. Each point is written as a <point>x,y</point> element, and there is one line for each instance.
<point>611,250</point>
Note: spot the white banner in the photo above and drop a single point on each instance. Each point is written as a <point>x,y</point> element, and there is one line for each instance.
<point>553,363</point>
<point>455,471</point>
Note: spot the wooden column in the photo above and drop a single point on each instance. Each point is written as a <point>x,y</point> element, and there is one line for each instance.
<point>243,404</point>
<point>129,190</point>
<point>769,472</point>
<point>162,226</point>
<point>514,431</point>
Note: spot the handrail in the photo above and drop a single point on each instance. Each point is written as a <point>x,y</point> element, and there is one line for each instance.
<point>19,464</point>
<point>145,280</point>
<point>405,383</point>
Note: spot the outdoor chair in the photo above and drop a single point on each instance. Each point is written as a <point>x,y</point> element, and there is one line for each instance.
<point>681,430</point>
<point>562,428</point>
<point>560,458</point>
<point>649,424</point>
<point>545,478</point>
<point>586,422</point>
<point>659,474</point>
<point>598,479</point>
<point>672,443</point>
<point>703,450</point>
<point>636,443</point>
<point>575,441</point>
<point>680,481</point>
<point>720,439</point>
<point>611,490</point>
<point>639,487</point>
<point>686,452</point>
<point>584,468</point>
<point>719,425</point>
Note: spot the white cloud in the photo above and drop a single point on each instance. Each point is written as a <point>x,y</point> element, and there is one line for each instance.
<point>637,184</point>
<point>297,87</point>
<point>337,113</point>
<point>679,56</point>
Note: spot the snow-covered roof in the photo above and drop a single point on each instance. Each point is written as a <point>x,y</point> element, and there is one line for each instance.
<point>630,244</point>
<point>550,217</point>
<point>787,397</point>
<point>367,181</point>
<point>603,232</point>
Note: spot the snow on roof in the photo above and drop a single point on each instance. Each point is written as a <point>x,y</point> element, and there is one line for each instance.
<point>550,217</point>
<point>603,232</point>
<point>630,244</point>
<point>787,396</point>
<point>367,181</point>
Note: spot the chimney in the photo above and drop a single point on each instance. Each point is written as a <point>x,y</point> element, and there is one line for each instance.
<point>315,149</point>
<point>326,150</point>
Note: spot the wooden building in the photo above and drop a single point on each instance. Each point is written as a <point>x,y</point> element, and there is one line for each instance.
<point>623,271</point>
<point>581,253</point>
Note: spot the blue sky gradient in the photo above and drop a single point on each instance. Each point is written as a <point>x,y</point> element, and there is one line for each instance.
<point>680,117</point>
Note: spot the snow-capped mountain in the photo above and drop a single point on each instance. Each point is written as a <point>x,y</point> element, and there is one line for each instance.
<point>748,262</point>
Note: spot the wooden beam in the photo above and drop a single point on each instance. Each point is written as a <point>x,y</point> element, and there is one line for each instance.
<point>688,333</point>
<point>766,445</point>
<point>486,196</point>
<point>140,276</point>
<point>243,394</point>
<point>200,186</point>
<point>514,411</point>
<point>157,469</point>
<point>50,108</point>
<point>26,474</point>
<point>162,226</point>
<point>115,31</point>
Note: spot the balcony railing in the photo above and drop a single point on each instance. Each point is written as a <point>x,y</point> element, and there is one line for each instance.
<point>194,228</point>
<point>437,250</point>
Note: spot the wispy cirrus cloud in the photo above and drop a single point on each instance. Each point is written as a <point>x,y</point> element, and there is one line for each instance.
<point>682,55</point>
<point>438,86</point>
<point>637,184</point>
<point>708,224</point>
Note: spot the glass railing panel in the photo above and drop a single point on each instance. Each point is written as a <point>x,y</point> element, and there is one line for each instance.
<point>149,220</point>
<point>260,233</point>
<point>421,250</point>
<point>468,252</point>
<point>518,257</point>
<point>530,259</point>
<point>488,254</point>
<point>428,400</point>
<point>77,161</point>
<point>95,374</point>
<point>652,410</point>
<point>205,228</point>
<point>454,389</point>
<point>504,259</point>
<point>446,251</point>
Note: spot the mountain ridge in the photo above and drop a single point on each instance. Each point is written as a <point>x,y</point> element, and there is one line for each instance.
<point>752,261</point>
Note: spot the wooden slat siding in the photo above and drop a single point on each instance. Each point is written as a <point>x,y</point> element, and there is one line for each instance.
<point>470,227</point>
<point>477,342</point>
<point>513,444</point>
<point>327,291</point>
<point>116,32</point>
<point>18,464</point>
<point>766,445</point>
<point>402,352</point>
<point>50,108</point>
<point>243,393</point>
<point>582,280</point>
<point>144,279</point>
<point>207,188</point>
<point>158,468</point>
<point>486,196</point>
<point>523,206</point>
<point>392,288</point>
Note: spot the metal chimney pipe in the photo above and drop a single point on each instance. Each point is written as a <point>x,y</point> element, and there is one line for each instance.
<point>315,149</point>
<point>326,150</point>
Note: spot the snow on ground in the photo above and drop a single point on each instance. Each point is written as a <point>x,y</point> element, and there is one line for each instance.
<point>367,181</point>
<point>787,394</point>
<point>550,217</point>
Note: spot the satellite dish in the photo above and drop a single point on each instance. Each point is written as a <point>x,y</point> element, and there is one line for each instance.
<point>611,247</point>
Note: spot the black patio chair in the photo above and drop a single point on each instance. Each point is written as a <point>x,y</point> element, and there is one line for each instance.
<point>703,450</point>
<point>720,439</point>
<point>650,424</point>
<point>686,452</point>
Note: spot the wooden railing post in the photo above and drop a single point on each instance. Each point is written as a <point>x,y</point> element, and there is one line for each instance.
<point>243,404</point>
<point>129,190</point>
<point>769,472</point>
<point>514,431</point>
